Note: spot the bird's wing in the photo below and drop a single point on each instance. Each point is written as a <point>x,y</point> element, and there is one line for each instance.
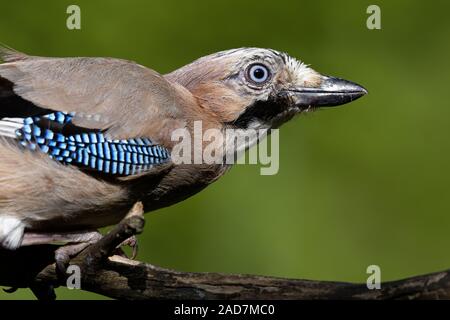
<point>115,95</point>
<point>94,112</point>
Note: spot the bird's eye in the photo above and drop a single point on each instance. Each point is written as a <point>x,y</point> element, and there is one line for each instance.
<point>258,73</point>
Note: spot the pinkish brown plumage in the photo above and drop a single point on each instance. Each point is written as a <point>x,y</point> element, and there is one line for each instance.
<point>113,99</point>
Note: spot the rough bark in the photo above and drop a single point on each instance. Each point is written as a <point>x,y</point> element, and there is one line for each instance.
<point>121,278</point>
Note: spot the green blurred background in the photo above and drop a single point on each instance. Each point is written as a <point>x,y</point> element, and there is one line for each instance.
<point>364,184</point>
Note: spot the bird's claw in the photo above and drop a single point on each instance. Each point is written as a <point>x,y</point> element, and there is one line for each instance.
<point>131,242</point>
<point>62,260</point>
<point>64,254</point>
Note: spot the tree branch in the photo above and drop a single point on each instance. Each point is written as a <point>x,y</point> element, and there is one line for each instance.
<point>122,278</point>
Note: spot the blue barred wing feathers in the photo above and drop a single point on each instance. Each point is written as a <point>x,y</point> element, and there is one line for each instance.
<point>89,149</point>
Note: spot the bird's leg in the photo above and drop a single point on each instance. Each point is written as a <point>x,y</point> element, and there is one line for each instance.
<point>75,243</point>
<point>65,253</point>
<point>36,238</point>
<point>121,234</point>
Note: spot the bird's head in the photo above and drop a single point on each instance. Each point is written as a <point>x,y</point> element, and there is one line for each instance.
<point>260,88</point>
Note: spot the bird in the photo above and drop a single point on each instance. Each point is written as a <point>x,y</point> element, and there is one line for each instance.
<point>82,139</point>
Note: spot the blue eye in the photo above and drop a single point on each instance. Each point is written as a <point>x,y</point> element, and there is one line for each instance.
<point>258,73</point>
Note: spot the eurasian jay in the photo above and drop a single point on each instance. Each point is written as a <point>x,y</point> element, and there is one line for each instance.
<point>83,139</point>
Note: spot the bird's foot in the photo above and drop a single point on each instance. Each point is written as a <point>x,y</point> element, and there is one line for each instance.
<point>131,242</point>
<point>64,254</point>
<point>75,243</point>
<point>123,233</point>
<point>89,250</point>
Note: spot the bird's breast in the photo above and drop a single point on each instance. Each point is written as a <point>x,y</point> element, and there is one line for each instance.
<point>180,183</point>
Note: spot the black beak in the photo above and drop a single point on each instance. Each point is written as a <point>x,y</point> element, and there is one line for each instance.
<point>331,92</point>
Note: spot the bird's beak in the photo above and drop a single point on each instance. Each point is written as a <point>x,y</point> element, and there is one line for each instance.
<point>331,92</point>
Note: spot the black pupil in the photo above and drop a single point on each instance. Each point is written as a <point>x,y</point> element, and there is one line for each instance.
<point>259,73</point>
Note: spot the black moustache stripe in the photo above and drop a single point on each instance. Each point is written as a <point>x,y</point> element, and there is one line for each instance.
<point>262,111</point>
